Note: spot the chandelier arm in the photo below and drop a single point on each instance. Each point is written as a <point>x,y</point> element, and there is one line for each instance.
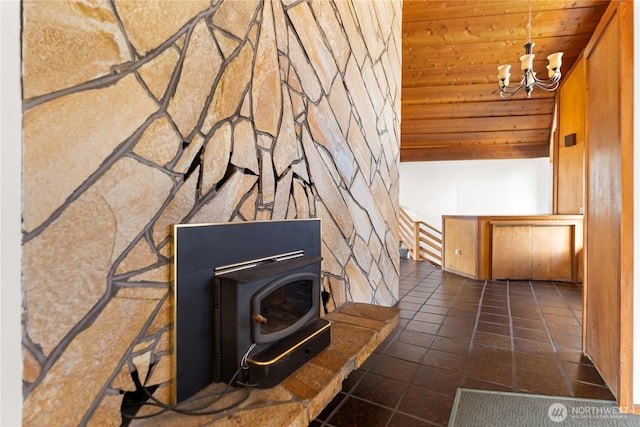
<point>551,83</point>
<point>508,91</point>
<point>513,88</point>
<point>548,88</point>
<point>509,94</point>
<point>546,84</point>
<point>556,77</point>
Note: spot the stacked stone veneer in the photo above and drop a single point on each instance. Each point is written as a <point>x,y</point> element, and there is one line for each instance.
<point>142,114</point>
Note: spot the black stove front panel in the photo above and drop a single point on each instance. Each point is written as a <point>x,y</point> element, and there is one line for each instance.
<point>252,308</point>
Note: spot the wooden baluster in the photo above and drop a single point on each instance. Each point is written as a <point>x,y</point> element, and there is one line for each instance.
<point>416,240</point>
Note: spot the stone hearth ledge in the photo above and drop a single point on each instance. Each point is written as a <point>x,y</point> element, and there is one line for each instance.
<point>356,331</point>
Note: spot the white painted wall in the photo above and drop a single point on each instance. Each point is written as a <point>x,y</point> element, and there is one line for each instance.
<point>10,222</point>
<point>429,190</point>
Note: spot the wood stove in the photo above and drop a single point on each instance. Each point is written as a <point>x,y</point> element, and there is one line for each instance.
<point>227,273</point>
<point>272,307</point>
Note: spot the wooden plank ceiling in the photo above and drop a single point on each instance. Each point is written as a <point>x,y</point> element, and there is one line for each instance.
<point>451,106</point>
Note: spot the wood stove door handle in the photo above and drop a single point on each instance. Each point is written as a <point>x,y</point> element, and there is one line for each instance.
<point>259,318</point>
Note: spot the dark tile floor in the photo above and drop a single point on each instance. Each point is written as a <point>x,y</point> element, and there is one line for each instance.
<point>457,332</point>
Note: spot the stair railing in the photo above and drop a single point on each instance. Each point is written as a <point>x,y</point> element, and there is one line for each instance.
<point>423,241</point>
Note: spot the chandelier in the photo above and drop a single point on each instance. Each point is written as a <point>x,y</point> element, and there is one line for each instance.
<point>529,78</point>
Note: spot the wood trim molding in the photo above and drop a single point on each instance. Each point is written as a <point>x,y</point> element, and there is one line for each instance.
<point>602,25</point>
<point>622,11</point>
<point>625,11</point>
<point>465,152</point>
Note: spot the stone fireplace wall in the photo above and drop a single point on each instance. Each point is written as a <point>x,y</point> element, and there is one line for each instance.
<point>141,114</point>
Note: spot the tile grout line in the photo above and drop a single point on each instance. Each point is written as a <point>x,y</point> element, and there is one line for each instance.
<point>473,334</point>
<point>408,383</point>
<point>564,299</point>
<point>353,387</point>
<point>512,338</point>
<point>563,371</point>
<point>395,409</point>
<point>452,298</point>
<point>418,364</point>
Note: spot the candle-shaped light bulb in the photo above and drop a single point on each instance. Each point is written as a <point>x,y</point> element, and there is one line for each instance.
<point>550,71</point>
<point>504,74</point>
<point>526,61</point>
<point>555,60</point>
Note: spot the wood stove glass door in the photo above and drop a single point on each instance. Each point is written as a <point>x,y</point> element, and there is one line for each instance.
<point>284,306</point>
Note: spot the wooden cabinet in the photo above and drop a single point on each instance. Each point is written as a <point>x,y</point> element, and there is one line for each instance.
<point>540,252</point>
<point>461,250</point>
<point>511,258</point>
<point>541,247</point>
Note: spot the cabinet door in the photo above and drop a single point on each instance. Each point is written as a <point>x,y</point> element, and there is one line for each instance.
<point>511,252</point>
<point>460,246</point>
<point>551,252</point>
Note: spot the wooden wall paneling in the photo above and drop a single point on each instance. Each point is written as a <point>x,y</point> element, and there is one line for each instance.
<point>450,50</point>
<point>604,207</point>
<point>476,152</point>
<point>625,398</point>
<point>608,333</point>
<point>436,31</point>
<point>485,52</point>
<point>525,107</point>
<point>438,9</point>
<point>488,124</point>
<point>475,138</point>
<point>453,94</point>
<point>463,74</point>
<point>569,161</point>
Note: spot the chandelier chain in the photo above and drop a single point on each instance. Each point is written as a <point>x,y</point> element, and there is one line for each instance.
<point>529,25</point>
